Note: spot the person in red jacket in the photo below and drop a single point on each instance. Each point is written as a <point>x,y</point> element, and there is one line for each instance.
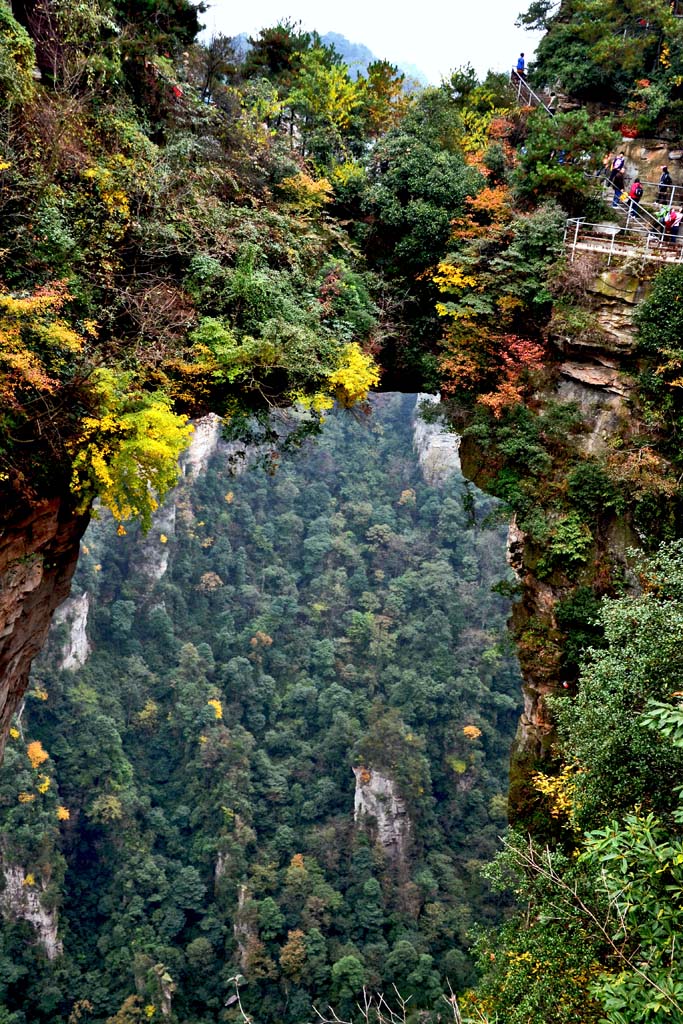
<point>635,193</point>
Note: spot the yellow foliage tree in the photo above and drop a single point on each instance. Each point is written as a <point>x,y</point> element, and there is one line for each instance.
<point>36,754</point>
<point>214,703</point>
<point>356,374</point>
<point>128,453</point>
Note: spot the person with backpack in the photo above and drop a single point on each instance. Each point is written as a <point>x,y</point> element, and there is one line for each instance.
<point>663,193</point>
<point>635,193</point>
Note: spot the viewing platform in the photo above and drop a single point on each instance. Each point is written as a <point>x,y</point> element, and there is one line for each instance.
<point>618,242</point>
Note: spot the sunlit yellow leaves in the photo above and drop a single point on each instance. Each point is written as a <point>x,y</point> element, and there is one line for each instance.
<point>408,497</point>
<point>26,798</point>
<point>14,733</point>
<point>214,703</point>
<point>43,783</point>
<point>63,813</point>
<point>113,198</point>
<point>559,791</point>
<point>128,455</point>
<point>305,193</point>
<point>36,754</point>
<point>471,732</point>
<point>319,402</point>
<point>357,373</point>
<point>35,343</point>
<point>450,278</point>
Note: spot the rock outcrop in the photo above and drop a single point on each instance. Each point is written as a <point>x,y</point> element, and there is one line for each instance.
<point>21,900</point>
<point>437,447</point>
<point>38,555</point>
<point>74,615</point>
<point>379,807</point>
<point>593,375</point>
<point>202,446</point>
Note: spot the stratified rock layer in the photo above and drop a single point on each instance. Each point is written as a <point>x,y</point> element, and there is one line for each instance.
<point>38,555</point>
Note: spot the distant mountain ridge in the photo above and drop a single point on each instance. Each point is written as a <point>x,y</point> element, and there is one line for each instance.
<point>357,56</point>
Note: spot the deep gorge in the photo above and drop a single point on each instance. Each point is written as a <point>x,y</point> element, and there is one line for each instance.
<point>206,698</point>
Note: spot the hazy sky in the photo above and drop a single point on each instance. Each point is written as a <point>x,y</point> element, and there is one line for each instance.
<point>435,35</point>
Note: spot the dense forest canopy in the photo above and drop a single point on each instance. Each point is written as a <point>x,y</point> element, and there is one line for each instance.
<point>187,228</point>
<point>187,797</point>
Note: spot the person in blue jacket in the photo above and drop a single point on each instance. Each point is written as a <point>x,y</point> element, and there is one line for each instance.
<point>520,65</point>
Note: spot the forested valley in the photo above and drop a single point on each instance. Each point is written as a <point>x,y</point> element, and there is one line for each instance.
<point>289,628</point>
<point>271,773</point>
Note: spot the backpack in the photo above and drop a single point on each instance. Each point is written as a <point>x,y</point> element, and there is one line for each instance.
<point>636,191</point>
<point>670,219</point>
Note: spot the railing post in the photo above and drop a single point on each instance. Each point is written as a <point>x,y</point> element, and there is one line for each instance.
<point>611,248</point>
<point>576,238</point>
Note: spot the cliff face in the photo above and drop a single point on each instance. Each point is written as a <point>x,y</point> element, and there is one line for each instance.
<point>437,447</point>
<point>377,802</point>
<point>74,615</point>
<point>21,900</point>
<point>593,375</point>
<point>38,555</point>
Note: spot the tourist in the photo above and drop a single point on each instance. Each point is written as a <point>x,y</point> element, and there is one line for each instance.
<point>618,165</point>
<point>635,192</point>
<point>617,181</point>
<point>520,65</point>
<point>664,194</point>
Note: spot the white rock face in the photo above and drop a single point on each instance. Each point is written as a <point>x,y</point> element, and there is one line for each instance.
<point>438,449</point>
<point>20,901</point>
<point>154,550</point>
<point>204,442</point>
<point>74,612</point>
<point>377,799</point>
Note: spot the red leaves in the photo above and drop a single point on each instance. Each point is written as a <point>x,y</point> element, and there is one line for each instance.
<point>506,363</point>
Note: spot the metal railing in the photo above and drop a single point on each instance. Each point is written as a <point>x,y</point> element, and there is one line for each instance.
<point>614,241</point>
<point>634,209</point>
<point>526,97</point>
<point>665,195</point>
